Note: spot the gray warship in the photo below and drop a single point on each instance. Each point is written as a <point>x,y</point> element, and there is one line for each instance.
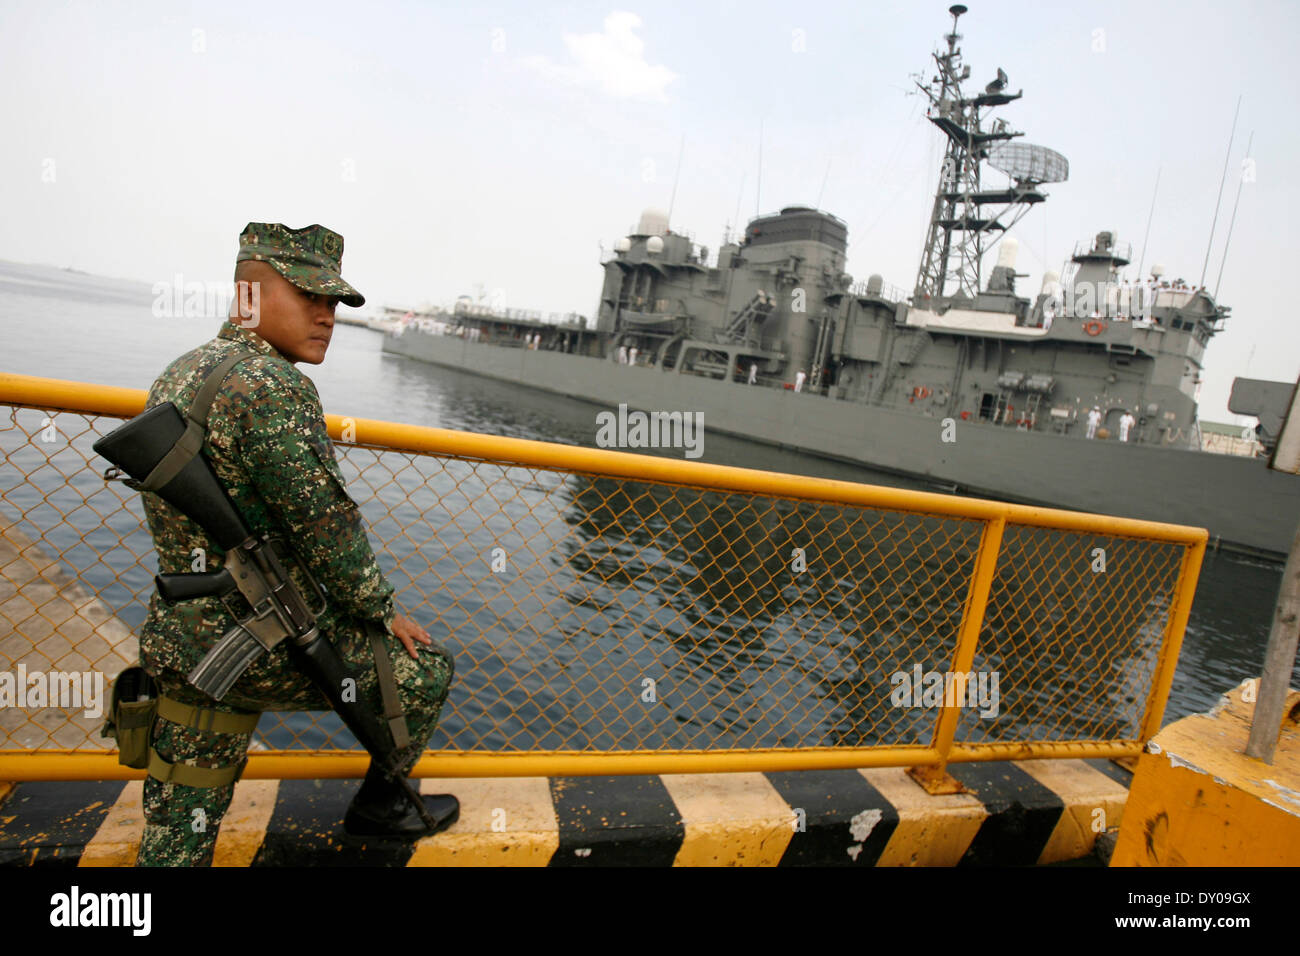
<point>1080,396</point>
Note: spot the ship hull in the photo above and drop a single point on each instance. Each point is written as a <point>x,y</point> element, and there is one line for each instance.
<point>1244,505</point>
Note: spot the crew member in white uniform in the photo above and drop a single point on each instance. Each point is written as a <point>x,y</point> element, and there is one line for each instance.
<point>1126,422</point>
<point>622,355</point>
<point>1094,419</point>
<point>799,380</point>
<point>753,373</point>
<point>631,355</point>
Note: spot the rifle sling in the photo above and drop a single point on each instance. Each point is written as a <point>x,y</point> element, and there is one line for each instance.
<point>388,687</point>
<point>182,453</point>
<point>191,443</point>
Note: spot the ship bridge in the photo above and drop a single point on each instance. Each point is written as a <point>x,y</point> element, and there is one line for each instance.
<point>799,224</point>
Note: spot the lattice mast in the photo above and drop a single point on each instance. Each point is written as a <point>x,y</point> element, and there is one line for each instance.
<point>960,227</point>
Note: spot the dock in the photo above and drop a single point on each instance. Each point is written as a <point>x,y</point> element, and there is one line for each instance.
<point>1020,813</point>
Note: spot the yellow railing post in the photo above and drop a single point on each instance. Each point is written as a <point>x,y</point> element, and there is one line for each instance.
<point>935,777</point>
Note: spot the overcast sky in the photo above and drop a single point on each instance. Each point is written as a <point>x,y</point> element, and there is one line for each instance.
<point>494,145</point>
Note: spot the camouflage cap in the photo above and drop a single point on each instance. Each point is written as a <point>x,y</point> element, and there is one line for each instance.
<point>311,257</point>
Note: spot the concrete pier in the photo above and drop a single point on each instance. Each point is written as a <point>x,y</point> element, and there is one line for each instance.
<point>1018,813</point>
<point>50,621</point>
<point>1198,800</point>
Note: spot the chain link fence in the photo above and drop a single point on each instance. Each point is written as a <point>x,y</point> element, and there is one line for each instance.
<point>602,604</point>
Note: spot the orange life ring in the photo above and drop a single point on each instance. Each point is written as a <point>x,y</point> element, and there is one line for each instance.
<point>920,392</point>
<point>1092,328</point>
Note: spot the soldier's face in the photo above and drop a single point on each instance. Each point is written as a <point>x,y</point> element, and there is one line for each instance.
<point>297,323</point>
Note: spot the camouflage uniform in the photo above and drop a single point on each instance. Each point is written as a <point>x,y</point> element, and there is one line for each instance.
<point>268,445</point>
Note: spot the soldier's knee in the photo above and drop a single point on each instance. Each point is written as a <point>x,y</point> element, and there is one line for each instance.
<point>428,677</point>
<point>446,655</point>
<point>443,667</point>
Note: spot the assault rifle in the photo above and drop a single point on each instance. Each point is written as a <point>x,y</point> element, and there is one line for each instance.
<point>161,452</point>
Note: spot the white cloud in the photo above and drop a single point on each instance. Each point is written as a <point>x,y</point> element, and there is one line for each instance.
<point>612,61</point>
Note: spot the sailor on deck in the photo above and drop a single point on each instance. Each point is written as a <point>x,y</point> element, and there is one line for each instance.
<point>799,380</point>
<point>622,355</point>
<point>631,355</point>
<point>753,373</point>
<point>1094,419</point>
<point>1126,422</point>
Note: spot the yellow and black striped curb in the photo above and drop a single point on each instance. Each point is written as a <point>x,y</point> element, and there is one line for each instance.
<point>1018,813</point>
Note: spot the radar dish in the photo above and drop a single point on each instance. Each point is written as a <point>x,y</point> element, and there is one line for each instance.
<point>1027,163</point>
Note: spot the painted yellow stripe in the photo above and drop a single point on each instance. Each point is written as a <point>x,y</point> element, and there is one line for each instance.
<point>932,830</point>
<point>504,821</point>
<point>117,841</point>
<point>731,819</point>
<point>1093,802</point>
<point>243,828</point>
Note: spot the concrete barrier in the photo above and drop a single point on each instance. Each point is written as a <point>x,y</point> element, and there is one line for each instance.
<point>1198,800</point>
<point>1017,813</point>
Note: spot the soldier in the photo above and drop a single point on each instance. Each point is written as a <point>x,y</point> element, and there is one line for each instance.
<point>267,442</point>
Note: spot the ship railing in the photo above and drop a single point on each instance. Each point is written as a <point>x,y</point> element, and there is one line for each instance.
<point>619,613</point>
<point>887,290</point>
<point>1120,250</point>
<point>481,311</point>
<point>684,233</point>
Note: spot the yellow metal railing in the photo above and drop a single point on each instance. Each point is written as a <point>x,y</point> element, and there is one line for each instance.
<point>616,613</point>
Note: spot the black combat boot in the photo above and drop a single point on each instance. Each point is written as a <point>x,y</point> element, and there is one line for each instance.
<point>383,808</point>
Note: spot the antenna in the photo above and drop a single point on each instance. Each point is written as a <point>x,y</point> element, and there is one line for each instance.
<point>818,204</point>
<point>758,190</point>
<point>676,176</point>
<point>740,195</point>
<point>967,218</point>
<point>1232,221</point>
<point>1150,214</point>
<point>1226,157</point>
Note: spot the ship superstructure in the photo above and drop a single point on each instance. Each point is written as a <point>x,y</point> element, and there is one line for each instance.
<point>1098,358</point>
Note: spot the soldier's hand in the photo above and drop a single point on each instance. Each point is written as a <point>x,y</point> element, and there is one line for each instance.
<point>408,632</point>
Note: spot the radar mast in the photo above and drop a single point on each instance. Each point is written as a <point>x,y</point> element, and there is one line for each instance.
<point>966,219</point>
